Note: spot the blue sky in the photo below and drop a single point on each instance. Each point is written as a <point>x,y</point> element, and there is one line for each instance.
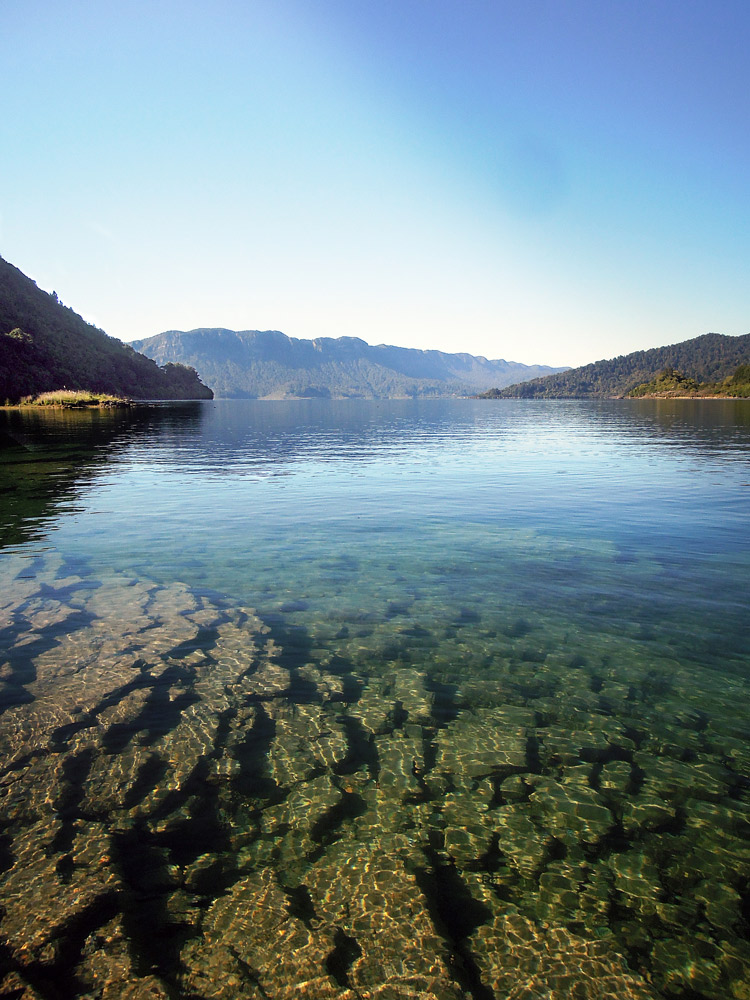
<point>542,181</point>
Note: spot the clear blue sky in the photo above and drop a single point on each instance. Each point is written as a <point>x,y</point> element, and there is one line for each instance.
<point>551,181</point>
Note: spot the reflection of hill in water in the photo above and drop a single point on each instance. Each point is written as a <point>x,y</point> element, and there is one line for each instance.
<point>47,455</point>
<point>686,415</point>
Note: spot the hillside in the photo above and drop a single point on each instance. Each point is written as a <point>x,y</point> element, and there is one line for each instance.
<point>268,364</point>
<point>709,358</point>
<point>44,345</point>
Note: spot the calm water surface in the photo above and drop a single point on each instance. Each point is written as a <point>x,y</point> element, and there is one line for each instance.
<point>395,699</point>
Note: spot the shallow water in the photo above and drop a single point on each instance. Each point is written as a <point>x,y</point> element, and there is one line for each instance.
<point>355,699</point>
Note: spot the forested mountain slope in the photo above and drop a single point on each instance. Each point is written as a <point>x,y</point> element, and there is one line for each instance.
<point>44,345</point>
<point>709,358</point>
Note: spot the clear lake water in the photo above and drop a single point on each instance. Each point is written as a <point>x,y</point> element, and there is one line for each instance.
<point>357,699</point>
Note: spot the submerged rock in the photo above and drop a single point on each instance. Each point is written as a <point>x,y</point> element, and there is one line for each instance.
<point>188,810</point>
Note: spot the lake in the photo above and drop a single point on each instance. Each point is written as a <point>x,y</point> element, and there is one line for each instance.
<point>358,699</point>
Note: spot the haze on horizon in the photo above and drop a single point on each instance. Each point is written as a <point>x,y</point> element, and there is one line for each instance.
<point>549,183</point>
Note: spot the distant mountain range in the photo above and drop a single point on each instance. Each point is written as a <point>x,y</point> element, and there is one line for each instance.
<point>709,358</point>
<point>269,365</point>
<point>44,345</point>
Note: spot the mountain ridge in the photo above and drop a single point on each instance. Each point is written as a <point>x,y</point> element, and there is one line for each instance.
<point>271,364</point>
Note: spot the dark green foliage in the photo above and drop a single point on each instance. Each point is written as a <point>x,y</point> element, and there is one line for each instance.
<point>709,358</point>
<point>257,364</point>
<point>44,345</point>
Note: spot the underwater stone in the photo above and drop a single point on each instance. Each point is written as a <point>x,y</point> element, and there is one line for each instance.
<point>252,945</point>
<point>514,789</point>
<point>678,915</point>
<point>105,754</point>
<point>374,709</point>
<point>43,612</point>
<point>468,829</point>
<point>108,968</point>
<point>520,838</point>
<point>688,964</point>
<point>270,680</point>
<point>206,865</point>
<point>637,880</point>
<point>330,687</point>
<point>481,743</point>
<point>642,813</point>
<point>557,898</point>
<point>577,774</point>
<point>734,961</point>
<point>305,805</point>
<point>722,822</point>
<point>722,904</point>
<point>568,809</point>
<point>13,599</point>
<point>400,762</point>
<point>367,891</point>
<point>467,844</point>
<point>409,689</point>
<point>595,899</point>
<point>570,745</point>
<point>615,777</point>
<point>306,739</point>
<point>13,985</point>
<point>519,961</point>
<point>39,903</point>
<point>675,781</point>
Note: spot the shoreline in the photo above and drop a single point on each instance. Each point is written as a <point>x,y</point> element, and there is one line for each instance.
<point>69,406</point>
<point>665,395</point>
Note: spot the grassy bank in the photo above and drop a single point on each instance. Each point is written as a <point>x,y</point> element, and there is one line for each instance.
<point>75,399</point>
